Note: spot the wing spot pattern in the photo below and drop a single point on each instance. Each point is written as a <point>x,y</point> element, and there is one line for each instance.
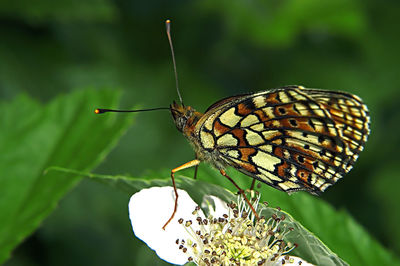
<point>229,118</point>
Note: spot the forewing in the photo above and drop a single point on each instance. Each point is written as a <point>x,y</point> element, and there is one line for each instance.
<point>284,137</point>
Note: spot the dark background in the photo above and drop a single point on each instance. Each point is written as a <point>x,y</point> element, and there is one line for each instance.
<point>222,48</point>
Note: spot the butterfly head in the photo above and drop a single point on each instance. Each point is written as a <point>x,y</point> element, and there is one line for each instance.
<point>184,116</point>
<point>180,114</point>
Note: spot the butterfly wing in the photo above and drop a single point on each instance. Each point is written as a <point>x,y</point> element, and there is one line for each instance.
<point>290,138</point>
<point>351,115</point>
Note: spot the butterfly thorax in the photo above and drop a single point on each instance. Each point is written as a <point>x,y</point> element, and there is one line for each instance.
<point>186,120</point>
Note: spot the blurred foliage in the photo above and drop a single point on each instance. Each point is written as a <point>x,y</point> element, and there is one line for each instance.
<point>62,133</point>
<point>223,48</point>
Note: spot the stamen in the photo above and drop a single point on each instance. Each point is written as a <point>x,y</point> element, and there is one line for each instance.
<point>237,238</point>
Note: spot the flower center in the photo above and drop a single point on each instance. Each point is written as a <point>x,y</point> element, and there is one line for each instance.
<point>236,239</point>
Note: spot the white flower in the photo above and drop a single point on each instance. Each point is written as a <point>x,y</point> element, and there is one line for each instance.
<point>228,236</point>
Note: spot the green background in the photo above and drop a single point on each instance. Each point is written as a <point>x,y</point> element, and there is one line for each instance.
<point>223,48</point>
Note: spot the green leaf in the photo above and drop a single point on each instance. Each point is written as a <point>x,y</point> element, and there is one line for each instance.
<point>66,133</point>
<point>310,247</point>
<point>336,229</point>
<point>130,185</point>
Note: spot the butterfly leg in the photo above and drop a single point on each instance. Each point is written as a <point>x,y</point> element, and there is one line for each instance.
<point>240,191</point>
<point>195,169</point>
<point>183,166</point>
<point>252,184</point>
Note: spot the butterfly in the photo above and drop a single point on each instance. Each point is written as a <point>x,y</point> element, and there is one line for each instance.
<point>291,138</point>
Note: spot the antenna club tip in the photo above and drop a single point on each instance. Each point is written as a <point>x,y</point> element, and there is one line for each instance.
<point>168,21</point>
<point>98,111</point>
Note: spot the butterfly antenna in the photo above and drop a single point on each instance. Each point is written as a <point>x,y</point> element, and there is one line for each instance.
<point>101,111</point>
<point>168,29</point>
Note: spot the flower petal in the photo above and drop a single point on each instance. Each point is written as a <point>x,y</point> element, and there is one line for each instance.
<point>149,210</point>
